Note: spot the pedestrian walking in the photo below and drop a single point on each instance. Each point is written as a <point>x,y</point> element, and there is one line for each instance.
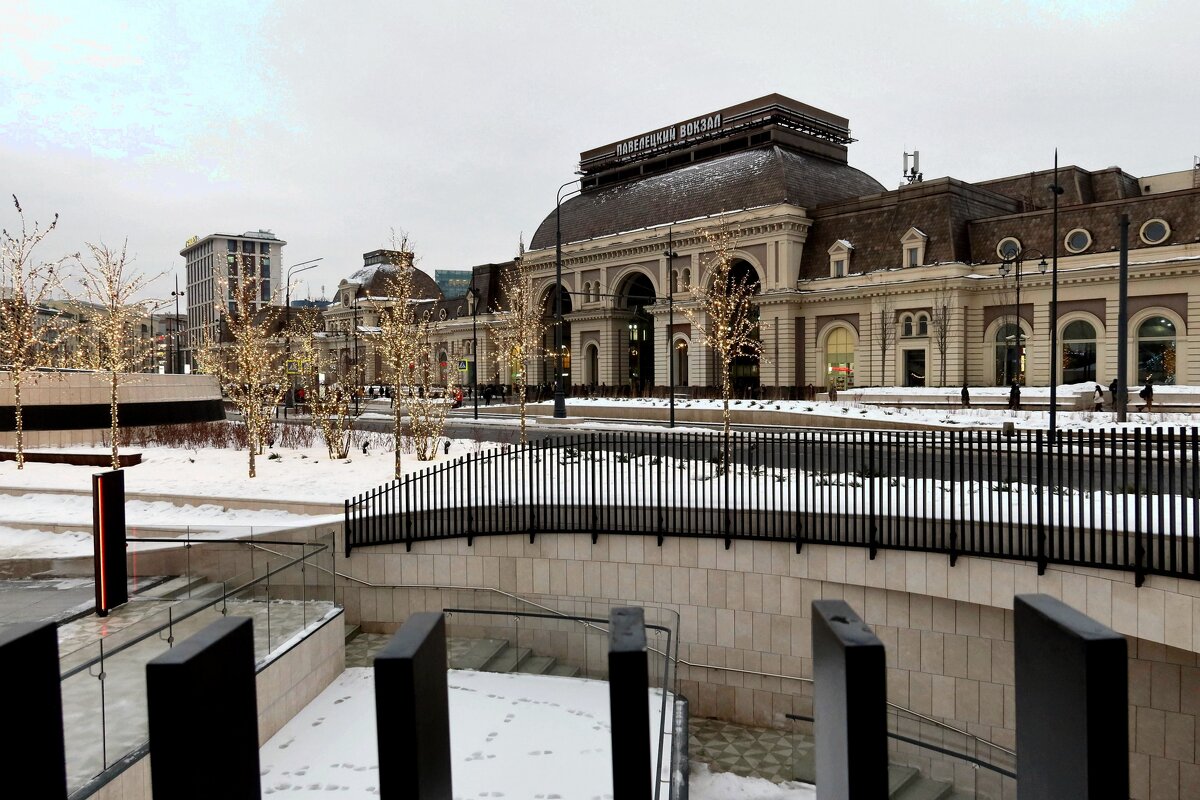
<point>1098,399</point>
<point>966,397</point>
<point>1014,397</point>
<point>1147,395</point>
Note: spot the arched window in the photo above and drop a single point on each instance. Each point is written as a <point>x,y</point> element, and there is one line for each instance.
<point>906,325</point>
<point>1156,351</point>
<point>674,280</point>
<point>587,292</point>
<point>922,324</point>
<point>1079,352</point>
<point>839,359</point>
<point>687,279</point>
<point>593,364</point>
<point>1010,361</point>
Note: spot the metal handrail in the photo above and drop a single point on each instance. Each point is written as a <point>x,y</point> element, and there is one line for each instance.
<point>926,745</point>
<point>225,594</point>
<point>679,661</point>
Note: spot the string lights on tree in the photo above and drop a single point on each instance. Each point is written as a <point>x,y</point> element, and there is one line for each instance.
<point>249,367</point>
<point>723,315</point>
<point>329,404</point>
<point>25,284</point>
<point>108,318</point>
<point>519,330</point>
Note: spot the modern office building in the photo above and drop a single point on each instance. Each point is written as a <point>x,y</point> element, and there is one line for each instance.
<point>216,264</point>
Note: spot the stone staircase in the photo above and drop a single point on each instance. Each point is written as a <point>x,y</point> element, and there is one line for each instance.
<point>907,783</point>
<point>484,655</point>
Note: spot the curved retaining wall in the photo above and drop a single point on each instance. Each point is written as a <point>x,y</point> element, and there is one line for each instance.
<point>948,630</point>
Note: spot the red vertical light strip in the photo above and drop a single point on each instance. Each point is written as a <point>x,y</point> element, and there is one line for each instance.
<point>100,532</point>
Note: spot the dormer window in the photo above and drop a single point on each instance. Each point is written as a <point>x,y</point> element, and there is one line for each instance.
<point>839,258</point>
<point>913,245</point>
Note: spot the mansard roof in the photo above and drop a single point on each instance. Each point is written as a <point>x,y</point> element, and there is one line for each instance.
<point>745,179</point>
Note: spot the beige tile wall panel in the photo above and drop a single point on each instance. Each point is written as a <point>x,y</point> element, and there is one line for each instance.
<point>948,630</point>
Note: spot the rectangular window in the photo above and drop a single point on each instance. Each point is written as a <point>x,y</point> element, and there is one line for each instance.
<point>265,264</point>
<point>266,291</point>
<point>839,268</point>
<point>232,245</point>
<point>911,256</point>
<point>264,248</point>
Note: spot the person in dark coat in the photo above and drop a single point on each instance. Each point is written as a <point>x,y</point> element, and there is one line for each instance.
<point>1147,395</point>
<point>1014,397</point>
<point>966,397</point>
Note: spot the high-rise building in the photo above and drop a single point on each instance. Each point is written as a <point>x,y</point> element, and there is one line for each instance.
<point>215,265</point>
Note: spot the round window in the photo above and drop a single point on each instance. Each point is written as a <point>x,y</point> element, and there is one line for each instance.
<point>1155,231</point>
<point>1008,248</point>
<point>1078,240</point>
<point>442,314</point>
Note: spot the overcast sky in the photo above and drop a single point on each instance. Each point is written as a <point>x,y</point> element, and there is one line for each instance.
<point>331,123</point>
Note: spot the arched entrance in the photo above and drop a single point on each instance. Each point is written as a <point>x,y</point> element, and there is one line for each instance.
<point>681,362</point>
<point>549,360</point>
<point>744,369</point>
<point>637,294</point>
<point>1010,355</point>
<point>592,378</point>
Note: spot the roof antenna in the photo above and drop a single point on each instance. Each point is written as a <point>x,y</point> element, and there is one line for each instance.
<point>912,174</point>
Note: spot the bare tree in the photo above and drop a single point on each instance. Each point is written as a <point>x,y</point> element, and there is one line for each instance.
<point>25,284</point>
<point>939,319</point>
<point>328,404</point>
<point>885,334</point>
<point>249,368</point>
<point>429,389</point>
<point>723,315</point>
<point>517,334</point>
<point>108,288</point>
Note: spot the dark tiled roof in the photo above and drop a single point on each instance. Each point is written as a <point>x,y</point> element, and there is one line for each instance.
<point>740,180</point>
<point>374,280</point>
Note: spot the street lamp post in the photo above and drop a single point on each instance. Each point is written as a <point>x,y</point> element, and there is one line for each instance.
<point>303,266</point>
<point>1015,261</point>
<point>473,302</point>
<point>175,365</point>
<point>670,256</point>
<point>1055,356</point>
<point>560,401</point>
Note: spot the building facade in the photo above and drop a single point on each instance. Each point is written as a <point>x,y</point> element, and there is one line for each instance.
<point>858,284</point>
<point>216,265</point>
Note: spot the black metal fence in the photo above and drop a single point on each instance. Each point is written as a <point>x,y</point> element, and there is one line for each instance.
<point>1125,499</point>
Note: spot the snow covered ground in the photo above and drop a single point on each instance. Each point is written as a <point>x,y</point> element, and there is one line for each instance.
<point>512,736</point>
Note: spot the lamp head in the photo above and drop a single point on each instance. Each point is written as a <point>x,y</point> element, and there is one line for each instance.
<point>1003,269</point>
<point>1042,266</point>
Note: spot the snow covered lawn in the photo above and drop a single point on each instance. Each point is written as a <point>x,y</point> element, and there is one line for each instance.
<point>512,736</point>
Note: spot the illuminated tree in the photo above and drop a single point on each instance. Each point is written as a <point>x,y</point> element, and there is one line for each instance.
<point>517,334</point>
<point>329,404</point>
<point>429,388</point>
<point>25,284</point>
<point>723,315</point>
<point>394,342</point>
<point>109,320</point>
<point>248,366</point>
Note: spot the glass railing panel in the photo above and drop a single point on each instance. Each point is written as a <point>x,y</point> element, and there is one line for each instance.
<point>83,719</point>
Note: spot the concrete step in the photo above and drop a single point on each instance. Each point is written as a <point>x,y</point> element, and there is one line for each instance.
<point>899,777</point>
<point>507,660</point>
<point>565,670</point>
<point>922,788</point>
<point>180,587</point>
<point>352,632</point>
<point>536,665</point>
<point>477,655</point>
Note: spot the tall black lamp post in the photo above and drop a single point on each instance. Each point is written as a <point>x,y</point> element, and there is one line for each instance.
<point>175,365</point>
<point>287,318</point>
<point>1055,357</point>
<point>473,302</point>
<point>1013,264</point>
<point>560,400</point>
<point>670,255</point>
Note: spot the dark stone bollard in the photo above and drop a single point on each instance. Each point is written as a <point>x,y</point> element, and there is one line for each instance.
<point>1072,703</point>
<point>29,671</point>
<point>849,705</point>
<point>412,713</point>
<point>203,711</point>
<point>629,703</point>
<point>108,540</point>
